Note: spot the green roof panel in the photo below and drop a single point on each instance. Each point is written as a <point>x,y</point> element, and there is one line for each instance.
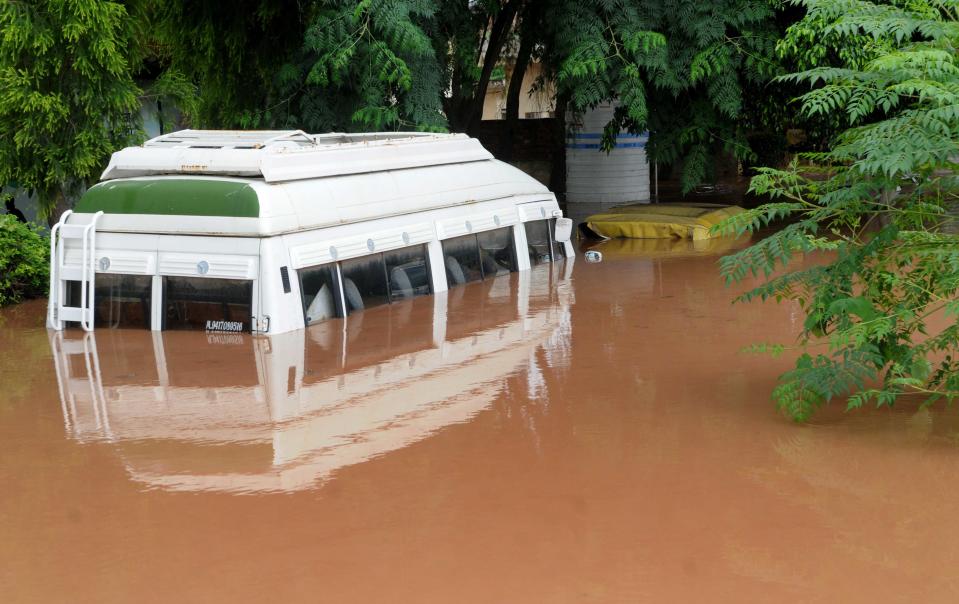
<point>172,197</point>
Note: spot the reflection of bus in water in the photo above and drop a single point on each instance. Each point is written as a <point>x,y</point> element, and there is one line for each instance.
<point>268,232</point>
<point>229,412</point>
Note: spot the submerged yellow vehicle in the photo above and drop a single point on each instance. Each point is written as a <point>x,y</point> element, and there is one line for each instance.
<point>660,221</point>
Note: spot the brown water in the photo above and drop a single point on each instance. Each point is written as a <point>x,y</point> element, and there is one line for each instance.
<point>583,433</point>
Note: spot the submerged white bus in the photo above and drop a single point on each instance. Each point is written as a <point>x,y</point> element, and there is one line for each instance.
<point>268,231</point>
<point>230,412</point>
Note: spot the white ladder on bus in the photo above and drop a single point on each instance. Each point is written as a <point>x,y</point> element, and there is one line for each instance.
<point>61,273</point>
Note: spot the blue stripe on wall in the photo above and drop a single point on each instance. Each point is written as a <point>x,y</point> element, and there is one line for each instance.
<point>596,146</point>
<point>600,135</point>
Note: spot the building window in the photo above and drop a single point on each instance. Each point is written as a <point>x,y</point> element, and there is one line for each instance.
<point>207,304</point>
<point>320,291</point>
<point>476,257</point>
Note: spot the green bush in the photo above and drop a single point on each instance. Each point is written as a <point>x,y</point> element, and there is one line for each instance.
<point>24,261</point>
<point>882,310</point>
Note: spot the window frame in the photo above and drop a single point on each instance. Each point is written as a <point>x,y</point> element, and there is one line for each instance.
<point>426,263</point>
<point>339,297</point>
<point>514,255</point>
<point>511,238</point>
<point>549,239</point>
<point>338,301</point>
<point>73,288</point>
<point>163,301</point>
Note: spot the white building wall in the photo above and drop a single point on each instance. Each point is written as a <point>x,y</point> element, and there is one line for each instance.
<point>592,176</point>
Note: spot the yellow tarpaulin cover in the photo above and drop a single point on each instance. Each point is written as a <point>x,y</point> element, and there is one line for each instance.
<point>660,220</point>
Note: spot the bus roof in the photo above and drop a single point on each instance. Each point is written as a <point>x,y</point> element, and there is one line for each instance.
<point>230,206</point>
<point>280,156</point>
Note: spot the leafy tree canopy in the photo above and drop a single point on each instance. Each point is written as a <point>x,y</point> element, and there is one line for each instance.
<point>680,68</point>
<point>67,96</point>
<point>233,55</point>
<point>881,204</point>
<point>68,93</point>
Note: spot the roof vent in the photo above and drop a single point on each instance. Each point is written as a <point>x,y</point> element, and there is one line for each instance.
<point>285,155</point>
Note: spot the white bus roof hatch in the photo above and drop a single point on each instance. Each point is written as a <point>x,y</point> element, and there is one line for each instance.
<point>285,155</point>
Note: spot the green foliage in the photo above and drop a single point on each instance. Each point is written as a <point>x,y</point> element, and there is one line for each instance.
<point>67,94</point>
<point>326,65</point>
<point>367,55</point>
<point>24,261</point>
<point>678,68</point>
<point>882,203</point>
<point>234,56</point>
<point>69,71</point>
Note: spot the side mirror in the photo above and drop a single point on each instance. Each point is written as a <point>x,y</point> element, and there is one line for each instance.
<point>563,230</point>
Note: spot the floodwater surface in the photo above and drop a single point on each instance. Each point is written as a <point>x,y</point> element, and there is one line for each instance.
<point>579,433</point>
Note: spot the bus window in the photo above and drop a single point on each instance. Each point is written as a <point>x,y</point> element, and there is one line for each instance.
<point>408,271</point>
<point>538,242</point>
<point>120,301</point>
<point>496,252</point>
<point>320,293</point>
<point>461,256</point>
<point>364,282</point>
<point>210,304</point>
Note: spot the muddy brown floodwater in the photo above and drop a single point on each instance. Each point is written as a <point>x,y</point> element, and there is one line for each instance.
<point>578,433</point>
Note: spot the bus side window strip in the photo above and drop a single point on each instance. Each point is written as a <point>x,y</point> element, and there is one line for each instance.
<point>338,292</point>
<point>552,244</point>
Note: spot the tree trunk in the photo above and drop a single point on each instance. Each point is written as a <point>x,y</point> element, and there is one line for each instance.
<point>516,79</point>
<point>528,39</point>
<point>57,208</point>
<point>501,28</point>
<point>453,106</point>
